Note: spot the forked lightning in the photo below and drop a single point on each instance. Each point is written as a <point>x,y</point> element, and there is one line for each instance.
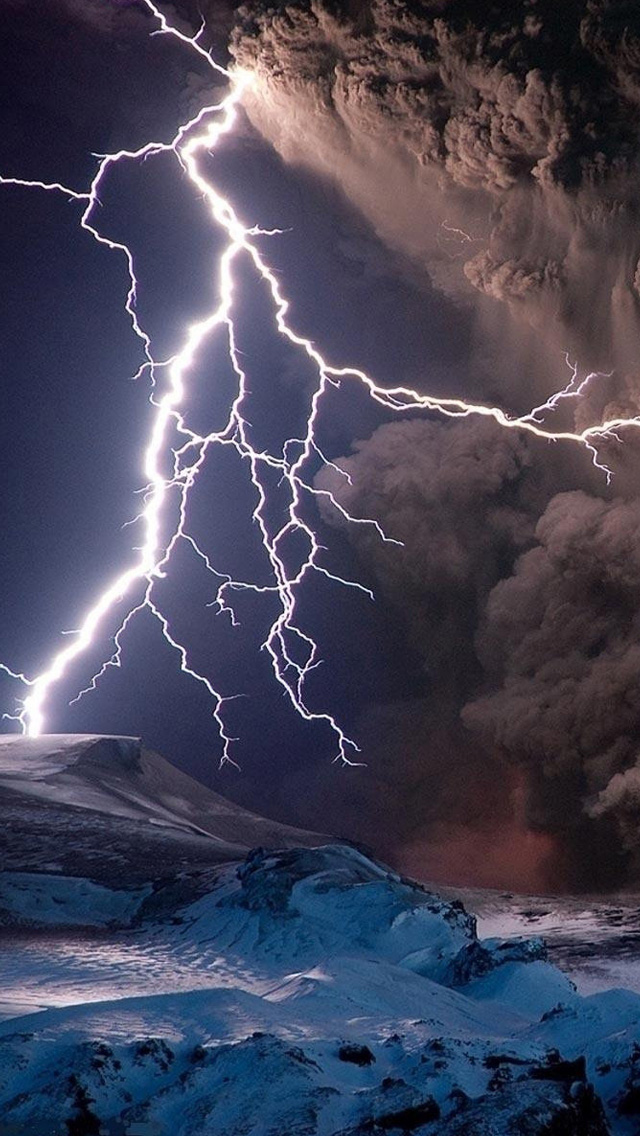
<point>292,650</point>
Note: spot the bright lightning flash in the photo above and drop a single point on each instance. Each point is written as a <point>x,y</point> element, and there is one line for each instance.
<point>287,642</point>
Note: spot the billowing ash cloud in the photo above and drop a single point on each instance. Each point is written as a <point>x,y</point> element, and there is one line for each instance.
<point>451,494</point>
<point>530,637</point>
<point>560,644</point>
<point>516,123</point>
<point>497,147</point>
<point>460,497</point>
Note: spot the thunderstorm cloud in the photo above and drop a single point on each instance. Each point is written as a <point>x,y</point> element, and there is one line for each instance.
<point>490,154</point>
<point>495,147</point>
<point>515,123</point>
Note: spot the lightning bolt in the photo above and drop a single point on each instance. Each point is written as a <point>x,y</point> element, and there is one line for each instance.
<point>293,652</point>
<point>450,235</point>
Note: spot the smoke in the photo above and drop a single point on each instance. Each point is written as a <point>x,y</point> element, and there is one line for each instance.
<point>454,495</point>
<point>559,642</point>
<point>543,619</point>
<point>461,499</point>
<point>529,636</point>
<point>451,493</point>
<point>515,123</point>
<point>496,148</point>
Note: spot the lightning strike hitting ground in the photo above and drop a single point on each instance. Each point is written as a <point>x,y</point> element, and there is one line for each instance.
<point>292,651</point>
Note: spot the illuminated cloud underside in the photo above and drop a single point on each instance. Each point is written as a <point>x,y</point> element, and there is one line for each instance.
<point>287,642</point>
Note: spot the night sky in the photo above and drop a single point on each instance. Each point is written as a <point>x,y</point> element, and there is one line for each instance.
<point>458,211</point>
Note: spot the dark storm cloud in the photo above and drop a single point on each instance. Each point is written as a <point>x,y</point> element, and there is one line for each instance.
<point>543,618</point>
<point>517,122</point>
<point>513,279</point>
<point>560,645</point>
<point>448,492</point>
<point>457,496</point>
<point>497,146</point>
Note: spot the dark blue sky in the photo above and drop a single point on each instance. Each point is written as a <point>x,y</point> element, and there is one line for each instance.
<point>478,506</point>
<point>73,425</point>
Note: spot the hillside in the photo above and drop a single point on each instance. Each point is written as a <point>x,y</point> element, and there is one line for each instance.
<point>107,808</point>
<point>295,989</point>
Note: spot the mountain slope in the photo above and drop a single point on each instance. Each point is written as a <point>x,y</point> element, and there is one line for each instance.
<point>186,985</point>
<point>110,810</point>
<point>335,999</point>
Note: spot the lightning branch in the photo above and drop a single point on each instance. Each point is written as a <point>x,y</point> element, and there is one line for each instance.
<point>293,652</point>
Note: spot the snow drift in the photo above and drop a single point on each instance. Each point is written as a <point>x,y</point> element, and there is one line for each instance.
<point>287,991</point>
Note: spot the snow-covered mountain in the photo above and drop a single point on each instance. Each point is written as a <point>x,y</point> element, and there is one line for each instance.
<point>593,938</point>
<point>296,990</point>
<point>108,808</point>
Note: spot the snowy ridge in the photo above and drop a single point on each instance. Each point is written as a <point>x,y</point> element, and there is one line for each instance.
<point>107,808</point>
<point>595,938</point>
<point>341,999</point>
<point>295,991</point>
